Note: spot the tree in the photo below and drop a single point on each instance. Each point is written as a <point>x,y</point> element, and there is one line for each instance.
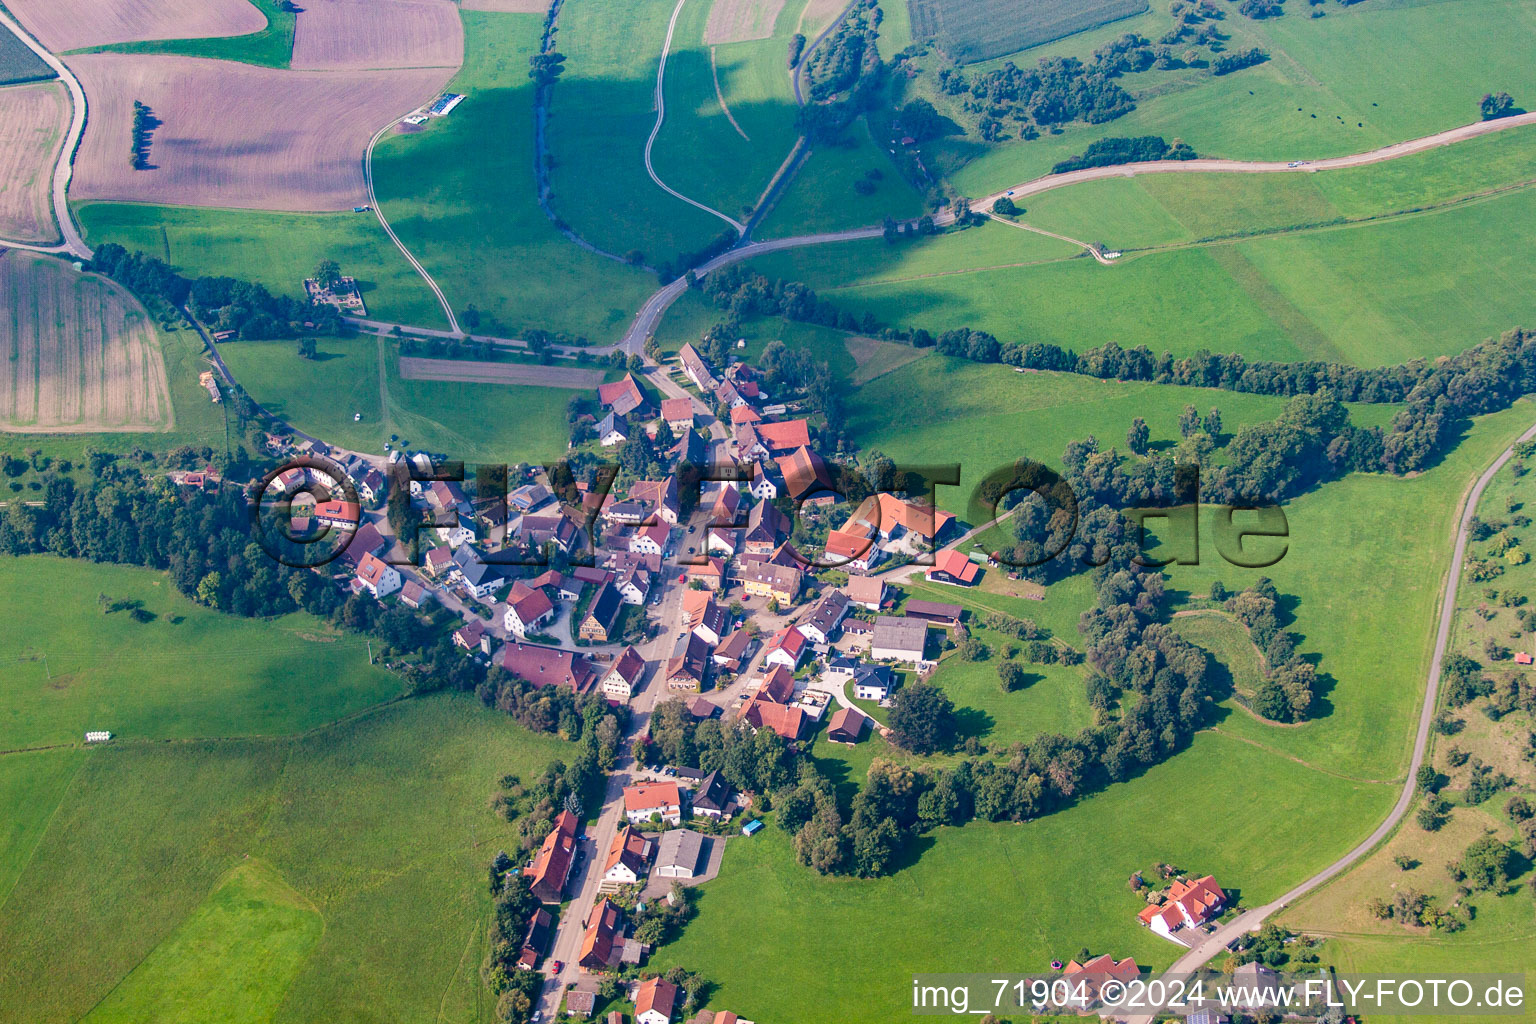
<point>1497,105</point>
<point>327,274</point>
<point>1137,437</point>
<point>1213,422</point>
<point>1487,863</point>
<point>922,719</point>
<point>1011,676</point>
<point>1005,207</point>
<point>1189,421</point>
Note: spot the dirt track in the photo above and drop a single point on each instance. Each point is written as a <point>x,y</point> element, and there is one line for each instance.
<point>469,372</point>
<point>73,24</point>
<point>32,123</point>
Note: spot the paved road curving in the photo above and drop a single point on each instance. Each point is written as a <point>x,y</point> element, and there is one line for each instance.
<point>65,168</point>
<point>1252,920</point>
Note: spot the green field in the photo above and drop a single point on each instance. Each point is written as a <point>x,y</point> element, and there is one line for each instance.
<point>75,664</point>
<point>461,195</point>
<point>1241,666</point>
<point>272,47</point>
<point>379,826</point>
<point>602,112</point>
<point>276,250</point>
<point>490,422</point>
<point>822,196</point>
<point>971,31</point>
<point>987,898</point>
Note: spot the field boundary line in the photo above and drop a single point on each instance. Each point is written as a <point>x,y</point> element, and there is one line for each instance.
<point>714,73</point>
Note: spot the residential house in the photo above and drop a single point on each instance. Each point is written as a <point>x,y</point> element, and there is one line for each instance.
<point>456,534</point>
<point>366,540</point>
<point>527,609</point>
<point>686,670</point>
<point>787,721</point>
<point>820,624</point>
<point>449,497</point>
<point>547,666</point>
<point>806,477</point>
<point>899,639</point>
<point>892,518</point>
<point>413,594</point>
<point>873,682</point>
<point>536,939</point>
<point>702,709</point>
<point>623,678</point>
<point>601,943</point>
<point>612,430</point>
<point>677,413</point>
<point>568,589</point>
<point>552,527</point>
<point>712,798</point>
<point>778,582</point>
<point>710,572</point>
<point>733,650</point>
<point>370,485</point>
<point>743,414</point>
<point>340,514</point>
<point>634,585</point>
<point>953,568</point>
<point>847,725</point>
<point>727,508</point>
<point>788,648</point>
<point>628,857</point>
<point>479,577</point>
<point>696,369</point>
<point>626,513</point>
<point>766,481</point>
<point>777,685</point>
<point>621,396</point>
<point>1188,905</point>
<point>868,592</point>
<point>647,798</point>
<point>472,636</point>
<point>621,562</point>
<point>689,449</point>
<point>721,541</point>
<point>650,540</point>
<point>766,529</point>
<point>551,866</point>
<point>680,854</point>
<point>1085,980</point>
<point>580,1002</point>
<point>703,616</point>
<point>438,562</point>
<point>377,577</point>
<point>660,496</point>
<point>656,1000</point>
<point>727,395</point>
<point>530,498</point>
<point>602,616</point>
<point>783,438</point>
<point>852,551</point>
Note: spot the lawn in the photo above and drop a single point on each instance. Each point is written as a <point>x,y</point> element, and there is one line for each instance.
<point>1053,699</point>
<point>276,250</point>
<point>822,196</point>
<point>461,195</point>
<point>80,663</point>
<point>379,825</point>
<point>272,47</point>
<point>987,898</point>
<point>602,112</point>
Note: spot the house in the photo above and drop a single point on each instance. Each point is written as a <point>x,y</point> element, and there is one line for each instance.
<point>847,726</point>
<point>627,858</point>
<point>614,429</point>
<point>686,669</point>
<point>568,589</point>
<point>660,496</point>
<point>1086,979</point>
<point>584,574</point>
<point>1188,905</point>
<point>438,561</point>
<point>710,572</point>
<point>766,528</point>
<point>702,616</point>
<point>727,395</point>
<point>680,854</point>
<point>824,617</point>
<point>712,799</point>
<point>546,666</point>
<point>891,518</point>
<point>650,540</point>
<point>527,609</point>
<point>854,552</point>
<point>899,639</point>
<point>1256,987</point>
<point>370,485</point>
<point>766,481</point>
<point>744,413</point>
<point>378,577</point>
<point>580,1002</point>
<point>782,438</point>
<point>365,540</point>
<point>953,568</point>
<point>935,613</point>
<point>602,616</point>
<point>696,369</point>
<point>1522,658</point>
<point>600,945</point>
<point>623,678</point>
<point>341,514</point>
<point>549,528</point>
<point>461,532</point>
<point>777,685</point>
<point>473,637</point>
<point>689,449</point>
<point>721,541</point>
<point>621,396</point>
<point>634,586</point>
<point>733,650</point>
<point>703,709</point>
<point>785,720</point>
<point>448,496</point>
<point>551,866</point>
<point>413,593</point>
<point>806,477</point>
<point>530,498</point>
<point>787,648</point>
<point>677,413</point>
<point>727,507</point>
<point>535,939</point>
<point>647,798</point>
<point>627,513</point>
<point>777,582</point>
<point>479,578</point>
<point>622,562</point>
<point>873,682</point>
<point>868,592</point>
<point>655,1001</point>
<point>839,667</point>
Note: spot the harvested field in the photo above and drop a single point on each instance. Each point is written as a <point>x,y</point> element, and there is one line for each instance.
<point>817,15</point>
<point>342,35</point>
<point>63,25</point>
<point>32,122</point>
<point>78,354</point>
<point>507,6</point>
<point>735,21</point>
<point>236,135</point>
<point>468,372</point>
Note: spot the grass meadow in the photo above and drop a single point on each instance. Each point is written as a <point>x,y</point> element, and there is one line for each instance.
<point>276,250</point>
<point>822,196</point>
<point>359,852</point>
<point>461,195</point>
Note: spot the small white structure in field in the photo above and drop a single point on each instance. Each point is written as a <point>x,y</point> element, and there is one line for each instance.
<point>97,737</point>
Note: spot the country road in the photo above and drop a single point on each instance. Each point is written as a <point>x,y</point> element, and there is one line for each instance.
<point>1252,920</point>
<point>373,201</point>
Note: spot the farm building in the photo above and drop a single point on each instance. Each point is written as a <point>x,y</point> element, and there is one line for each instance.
<point>444,104</point>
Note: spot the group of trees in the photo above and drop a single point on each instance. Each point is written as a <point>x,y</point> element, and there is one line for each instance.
<point>1290,682</point>
<point>223,303</point>
<point>845,75</point>
<point>1497,105</point>
<point>516,990</point>
<point>758,762</point>
<point>1226,63</point>
<point>1118,150</point>
<point>1056,91</point>
<point>143,122</point>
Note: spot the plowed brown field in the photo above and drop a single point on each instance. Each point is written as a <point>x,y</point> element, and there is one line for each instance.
<point>72,24</point>
<point>32,122</point>
<point>364,34</point>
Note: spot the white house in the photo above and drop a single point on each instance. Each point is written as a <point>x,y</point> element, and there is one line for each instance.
<point>788,648</point>
<point>462,532</point>
<point>527,609</point>
<point>624,677</point>
<point>377,576</point>
<point>1189,905</point>
<point>873,682</point>
<point>635,586</point>
<point>612,430</point>
<point>648,798</point>
<point>650,540</point>
<point>824,617</point>
<point>627,858</point>
<point>655,1001</point>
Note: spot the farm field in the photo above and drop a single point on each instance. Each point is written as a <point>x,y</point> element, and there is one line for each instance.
<point>735,21</point>
<point>1372,75</point>
<point>186,672</point>
<point>19,64</point>
<point>275,250</point>
<point>1374,293</point>
<point>601,114</point>
<point>972,32</point>
<point>32,123</point>
<point>473,372</point>
<point>314,126</point>
<point>371,34</point>
<point>268,46</point>
<point>350,822</point>
<point>972,884</point>
<point>62,25</point>
<point>462,196</point>
<point>81,354</point>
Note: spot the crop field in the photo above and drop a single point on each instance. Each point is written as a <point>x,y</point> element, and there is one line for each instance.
<point>18,63</point>
<point>602,112</point>
<point>462,196</point>
<point>32,122</point>
<point>275,250</point>
<point>73,24</point>
<point>312,129</point>
<point>370,34</point>
<point>349,824</point>
<point>971,885</point>
<point>81,353</point>
<point>1376,292</point>
<point>506,6</point>
<point>472,372</point>
<point>270,46</point>
<point>735,21</point>
<point>1359,78</point>
<point>970,31</point>
<point>185,671</point>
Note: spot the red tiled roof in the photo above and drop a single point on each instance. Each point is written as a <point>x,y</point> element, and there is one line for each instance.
<point>629,665</point>
<point>675,410</point>
<point>956,565</point>
<point>648,796</point>
<point>781,437</point>
<point>804,473</point>
<point>371,569</point>
<point>622,396</point>
<point>658,995</point>
<point>546,666</point>
<point>777,686</point>
<point>745,414</point>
